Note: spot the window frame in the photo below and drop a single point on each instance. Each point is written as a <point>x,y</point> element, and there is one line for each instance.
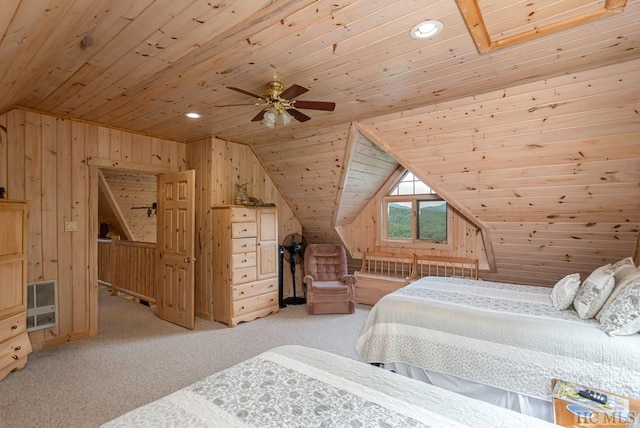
<point>414,242</point>
<point>394,194</point>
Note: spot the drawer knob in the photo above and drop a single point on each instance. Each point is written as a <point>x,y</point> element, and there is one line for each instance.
<point>15,357</point>
<point>14,327</point>
<point>244,276</point>
<point>244,230</point>
<point>17,348</point>
<point>244,245</point>
<point>241,293</point>
<point>244,261</point>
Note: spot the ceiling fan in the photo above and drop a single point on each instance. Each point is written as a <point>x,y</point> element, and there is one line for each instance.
<point>277,101</point>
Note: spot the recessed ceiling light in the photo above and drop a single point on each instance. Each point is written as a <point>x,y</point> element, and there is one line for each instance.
<point>193,115</point>
<point>426,29</point>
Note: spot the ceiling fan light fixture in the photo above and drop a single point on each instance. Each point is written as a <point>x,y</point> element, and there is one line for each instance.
<point>426,29</point>
<point>270,117</point>
<point>286,118</point>
<point>273,115</point>
<point>193,115</point>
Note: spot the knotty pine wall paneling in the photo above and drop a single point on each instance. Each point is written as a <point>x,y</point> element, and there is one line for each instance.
<point>129,190</point>
<point>220,165</point>
<point>3,149</point>
<point>551,168</point>
<point>362,236</point>
<point>199,158</point>
<point>45,161</point>
<point>308,172</point>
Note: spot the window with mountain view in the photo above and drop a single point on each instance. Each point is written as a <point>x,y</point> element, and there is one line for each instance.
<point>414,213</point>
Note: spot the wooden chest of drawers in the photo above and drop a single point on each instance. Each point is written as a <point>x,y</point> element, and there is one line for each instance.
<point>14,339</point>
<point>245,265</point>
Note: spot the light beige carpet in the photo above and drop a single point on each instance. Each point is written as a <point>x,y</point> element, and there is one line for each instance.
<point>137,358</point>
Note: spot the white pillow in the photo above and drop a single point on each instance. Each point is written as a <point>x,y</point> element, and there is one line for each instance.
<point>594,291</point>
<point>622,317</point>
<point>565,291</point>
<point>623,277</point>
<point>626,262</point>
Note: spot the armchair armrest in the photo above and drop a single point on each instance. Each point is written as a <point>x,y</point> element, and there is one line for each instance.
<point>349,279</point>
<point>308,280</point>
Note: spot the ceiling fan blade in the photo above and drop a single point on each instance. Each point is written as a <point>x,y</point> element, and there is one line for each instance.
<point>245,92</point>
<point>292,92</point>
<point>301,117</point>
<point>259,116</point>
<point>315,105</point>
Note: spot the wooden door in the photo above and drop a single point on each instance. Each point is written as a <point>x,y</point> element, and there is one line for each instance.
<point>267,243</point>
<point>176,248</point>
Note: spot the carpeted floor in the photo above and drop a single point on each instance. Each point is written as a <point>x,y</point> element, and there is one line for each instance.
<point>137,358</point>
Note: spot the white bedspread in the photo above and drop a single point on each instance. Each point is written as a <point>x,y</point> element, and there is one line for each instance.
<point>293,386</point>
<point>504,335</point>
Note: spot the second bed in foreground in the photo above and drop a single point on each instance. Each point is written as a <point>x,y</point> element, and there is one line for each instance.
<point>293,386</point>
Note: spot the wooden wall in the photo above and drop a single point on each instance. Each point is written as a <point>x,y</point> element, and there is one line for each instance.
<point>130,190</point>
<point>46,161</point>
<point>220,165</point>
<point>551,169</point>
<point>308,172</point>
<point>361,236</point>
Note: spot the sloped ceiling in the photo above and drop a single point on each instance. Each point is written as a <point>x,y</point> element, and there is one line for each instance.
<point>367,168</point>
<point>551,169</point>
<point>141,65</point>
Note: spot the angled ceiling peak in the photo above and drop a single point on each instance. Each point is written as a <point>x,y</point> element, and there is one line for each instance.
<point>367,167</point>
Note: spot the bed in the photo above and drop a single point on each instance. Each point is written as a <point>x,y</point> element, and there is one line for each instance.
<point>298,386</point>
<point>503,343</point>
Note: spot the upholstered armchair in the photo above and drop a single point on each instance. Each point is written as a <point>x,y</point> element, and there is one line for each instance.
<point>330,289</point>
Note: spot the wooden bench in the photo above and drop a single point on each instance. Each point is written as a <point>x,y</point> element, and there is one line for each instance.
<point>460,267</point>
<point>381,274</point>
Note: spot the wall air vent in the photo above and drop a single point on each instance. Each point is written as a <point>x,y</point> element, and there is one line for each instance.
<point>42,307</point>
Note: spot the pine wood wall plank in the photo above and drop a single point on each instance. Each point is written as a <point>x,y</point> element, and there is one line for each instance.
<point>33,188</point>
<point>80,238</point>
<point>16,155</point>
<point>3,151</point>
<point>63,181</point>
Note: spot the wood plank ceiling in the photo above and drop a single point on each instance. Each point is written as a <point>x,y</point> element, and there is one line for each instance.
<point>140,65</point>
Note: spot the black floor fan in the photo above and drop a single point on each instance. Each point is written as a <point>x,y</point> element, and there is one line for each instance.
<point>293,247</point>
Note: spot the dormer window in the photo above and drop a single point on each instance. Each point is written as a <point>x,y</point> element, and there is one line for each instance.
<point>412,213</point>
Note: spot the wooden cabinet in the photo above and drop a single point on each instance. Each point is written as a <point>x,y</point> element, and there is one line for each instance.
<point>245,268</point>
<point>14,339</point>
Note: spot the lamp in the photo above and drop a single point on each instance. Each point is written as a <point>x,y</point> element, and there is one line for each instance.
<point>426,29</point>
<point>270,117</point>
<point>286,118</point>
<point>274,115</point>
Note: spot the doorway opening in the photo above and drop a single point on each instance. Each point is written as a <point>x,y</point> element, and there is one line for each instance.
<point>173,291</point>
<point>127,234</point>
